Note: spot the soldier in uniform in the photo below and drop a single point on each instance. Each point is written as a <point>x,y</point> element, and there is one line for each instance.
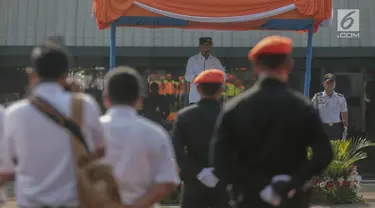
<point>192,131</point>
<point>262,135</point>
<point>332,108</point>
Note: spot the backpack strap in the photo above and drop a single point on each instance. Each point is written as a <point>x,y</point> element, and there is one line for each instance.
<point>79,146</point>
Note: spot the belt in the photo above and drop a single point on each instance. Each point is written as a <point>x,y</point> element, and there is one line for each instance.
<point>332,124</point>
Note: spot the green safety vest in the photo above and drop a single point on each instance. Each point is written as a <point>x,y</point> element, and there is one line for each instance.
<point>231,90</point>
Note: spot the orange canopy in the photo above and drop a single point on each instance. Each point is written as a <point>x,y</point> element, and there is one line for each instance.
<point>211,14</point>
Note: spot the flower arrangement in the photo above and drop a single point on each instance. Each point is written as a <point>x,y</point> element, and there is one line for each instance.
<point>343,190</point>
<point>340,182</point>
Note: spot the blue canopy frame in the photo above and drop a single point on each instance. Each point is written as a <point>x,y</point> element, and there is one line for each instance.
<point>271,24</point>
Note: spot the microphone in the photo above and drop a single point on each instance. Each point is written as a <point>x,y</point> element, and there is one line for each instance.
<point>206,54</point>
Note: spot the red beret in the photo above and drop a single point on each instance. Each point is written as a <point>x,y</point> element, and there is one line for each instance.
<point>210,76</point>
<point>271,45</point>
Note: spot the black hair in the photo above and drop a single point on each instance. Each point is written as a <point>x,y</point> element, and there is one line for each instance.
<point>273,61</point>
<point>154,87</point>
<point>123,85</point>
<point>49,61</point>
<point>209,89</point>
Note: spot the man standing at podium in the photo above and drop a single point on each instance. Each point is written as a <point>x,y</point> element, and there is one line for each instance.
<point>198,63</point>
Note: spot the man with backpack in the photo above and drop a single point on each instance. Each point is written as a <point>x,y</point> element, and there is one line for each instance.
<point>37,145</point>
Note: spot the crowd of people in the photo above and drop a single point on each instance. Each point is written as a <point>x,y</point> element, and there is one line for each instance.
<point>169,93</point>
<point>62,153</point>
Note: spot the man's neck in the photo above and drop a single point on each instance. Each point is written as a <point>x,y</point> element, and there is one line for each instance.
<point>329,92</point>
<point>269,75</point>
<point>209,98</point>
<point>122,105</point>
<point>205,55</point>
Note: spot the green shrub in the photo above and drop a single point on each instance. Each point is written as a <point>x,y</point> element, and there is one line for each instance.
<point>338,183</point>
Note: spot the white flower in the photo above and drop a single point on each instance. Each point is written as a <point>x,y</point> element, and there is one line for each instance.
<point>339,183</point>
<point>351,178</point>
<point>322,184</point>
<point>341,179</point>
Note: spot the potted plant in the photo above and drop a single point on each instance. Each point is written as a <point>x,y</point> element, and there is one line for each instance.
<point>340,182</point>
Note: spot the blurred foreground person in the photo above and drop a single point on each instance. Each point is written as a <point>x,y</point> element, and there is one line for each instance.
<point>263,134</point>
<point>155,106</point>
<point>38,149</point>
<point>3,196</point>
<point>192,132</point>
<point>69,84</point>
<point>139,150</point>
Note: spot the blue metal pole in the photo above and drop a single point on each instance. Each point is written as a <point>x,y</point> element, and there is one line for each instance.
<point>306,90</point>
<point>112,47</point>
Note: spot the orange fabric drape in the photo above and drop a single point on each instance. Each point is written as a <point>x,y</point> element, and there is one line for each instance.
<point>110,10</point>
<point>216,8</point>
<point>320,9</point>
<point>107,11</point>
<point>251,25</point>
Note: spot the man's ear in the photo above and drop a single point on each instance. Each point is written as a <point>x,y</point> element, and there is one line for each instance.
<point>106,101</point>
<point>289,65</point>
<point>255,67</point>
<point>198,88</point>
<point>138,105</point>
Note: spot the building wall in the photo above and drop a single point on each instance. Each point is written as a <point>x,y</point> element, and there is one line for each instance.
<point>28,22</point>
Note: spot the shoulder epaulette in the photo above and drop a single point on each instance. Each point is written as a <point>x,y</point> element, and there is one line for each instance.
<point>318,94</point>
<point>340,95</point>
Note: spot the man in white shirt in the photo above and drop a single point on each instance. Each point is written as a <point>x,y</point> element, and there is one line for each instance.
<point>139,150</point>
<point>332,108</point>
<point>38,150</point>
<point>198,63</point>
<point>3,196</point>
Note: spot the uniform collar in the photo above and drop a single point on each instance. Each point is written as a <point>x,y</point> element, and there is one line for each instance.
<point>209,102</point>
<point>48,88</point>
<point>202,57</point>
<point>271,82</point>
<point>325,94</point>
<point>121,110</point>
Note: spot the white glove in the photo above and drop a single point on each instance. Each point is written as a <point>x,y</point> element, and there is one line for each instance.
<point>207,177</point>
<point>268,195</point>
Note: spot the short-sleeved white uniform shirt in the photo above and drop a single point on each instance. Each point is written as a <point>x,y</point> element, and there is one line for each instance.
<point>330,107</point>
<point>45,173</point>
<point>3,196</point>
<point>140,152</point>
